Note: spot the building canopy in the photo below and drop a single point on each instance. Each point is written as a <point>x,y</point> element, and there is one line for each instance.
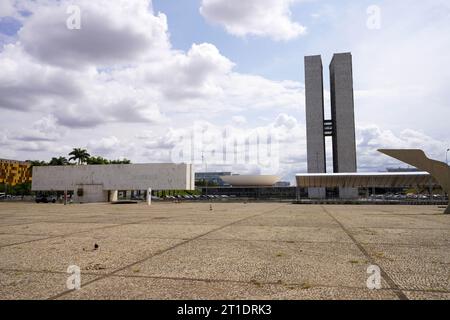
<point>365,179</point>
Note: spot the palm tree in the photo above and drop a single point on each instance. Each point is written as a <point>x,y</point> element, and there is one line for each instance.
<point>79,155</point>
<point>61,161</point>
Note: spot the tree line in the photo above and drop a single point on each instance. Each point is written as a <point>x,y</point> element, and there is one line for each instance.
<point>79,156</point>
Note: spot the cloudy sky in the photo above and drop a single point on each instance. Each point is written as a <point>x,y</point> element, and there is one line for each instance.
<point>135,78</point>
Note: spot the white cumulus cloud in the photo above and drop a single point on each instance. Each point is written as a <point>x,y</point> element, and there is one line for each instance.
<point>263,18</point>
<point>106,36</point>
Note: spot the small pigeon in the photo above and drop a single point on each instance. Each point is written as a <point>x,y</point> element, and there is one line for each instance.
<point>95,246</point>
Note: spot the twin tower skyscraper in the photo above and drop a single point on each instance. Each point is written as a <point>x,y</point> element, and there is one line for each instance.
<point>341,126</point>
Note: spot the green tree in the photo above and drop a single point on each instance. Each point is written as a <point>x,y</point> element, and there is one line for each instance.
<point>97,160</point>
<point>124,161</point>
<point>22,189</point>
<point>205,183</point>
<point>60,161</point>
<point>37,163</point>
<point>79,155</point>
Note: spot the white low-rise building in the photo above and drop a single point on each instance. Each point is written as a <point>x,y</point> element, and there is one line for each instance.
<point>101,183</point>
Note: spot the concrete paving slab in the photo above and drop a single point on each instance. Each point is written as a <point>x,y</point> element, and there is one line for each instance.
<point>423,295</point>
<point>293,220</point>
<point>275,233</point>
<point>415,267</point>
<point>138,288</point>
<point>311,263</point>
<point>51,229</point>
<point>151,231</point>
<point>10,239</point>
<point>20,285</point>
<point>234,251</point>
<point>58,253</point>
<point>422,237</point>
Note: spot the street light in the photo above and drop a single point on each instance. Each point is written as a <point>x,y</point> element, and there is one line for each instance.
<point>206,173</point>
<point>446,161</point>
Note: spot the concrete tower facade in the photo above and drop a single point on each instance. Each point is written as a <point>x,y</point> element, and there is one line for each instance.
<point>314,120</point>
<point>341,127</point>
<point>343,118</point>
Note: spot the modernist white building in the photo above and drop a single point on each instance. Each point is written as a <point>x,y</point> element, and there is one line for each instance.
<point>101,183</point>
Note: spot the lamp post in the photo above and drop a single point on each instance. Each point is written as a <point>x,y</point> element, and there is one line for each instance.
<point>206,173</point>
<point>446,161</point>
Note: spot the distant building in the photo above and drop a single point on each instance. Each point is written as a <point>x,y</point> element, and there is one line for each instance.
<point>14,172</point>
<point>102,183</point>
<point>282,184</point>
<point>251,180</point>
<point>257,193</point>
<point>402,169</point>
<point>213,178</point>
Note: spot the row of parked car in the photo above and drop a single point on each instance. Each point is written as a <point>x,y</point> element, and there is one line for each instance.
<point>10,197</point>
<point>195,197</point>
<point>5,197</point>
<point>37,199</point>
<point>45,199</point>
<point>409,196</point>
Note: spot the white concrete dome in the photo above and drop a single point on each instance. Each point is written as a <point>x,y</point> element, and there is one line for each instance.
<point>253,181</point>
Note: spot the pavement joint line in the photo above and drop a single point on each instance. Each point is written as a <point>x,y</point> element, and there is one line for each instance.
<point>276,283</point>
<point>427,219</point>
<point>390,214</point>
<point>276,241</point>
<point>419,218</point>
<point>17,224</point>
<point>164,251</point>
<point>66,235</point>
<point>399,228</point>
<point>225,239</point>
<point>47,272</point>
<point>63,235</point>
<point>267,283</point>
<point>312,242</point>
<point>400,294</point>
<point>23,234</point>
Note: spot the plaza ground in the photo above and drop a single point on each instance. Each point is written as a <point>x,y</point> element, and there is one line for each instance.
<point>234,251</point>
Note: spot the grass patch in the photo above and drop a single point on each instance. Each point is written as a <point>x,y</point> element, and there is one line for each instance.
<point>256,282</point>
<point>305,286</point>
<point>381,255</point>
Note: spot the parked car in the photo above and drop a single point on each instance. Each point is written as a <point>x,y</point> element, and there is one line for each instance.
<point>45,199</point>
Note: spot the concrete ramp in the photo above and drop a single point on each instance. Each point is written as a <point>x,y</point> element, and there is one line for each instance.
<point>417,158</point>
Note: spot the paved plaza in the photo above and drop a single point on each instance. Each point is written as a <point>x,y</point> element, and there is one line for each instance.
<point>223,251</point>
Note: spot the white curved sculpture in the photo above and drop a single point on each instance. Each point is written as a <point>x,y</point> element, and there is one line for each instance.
<point>251,181</point>
<point>417,158</point>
